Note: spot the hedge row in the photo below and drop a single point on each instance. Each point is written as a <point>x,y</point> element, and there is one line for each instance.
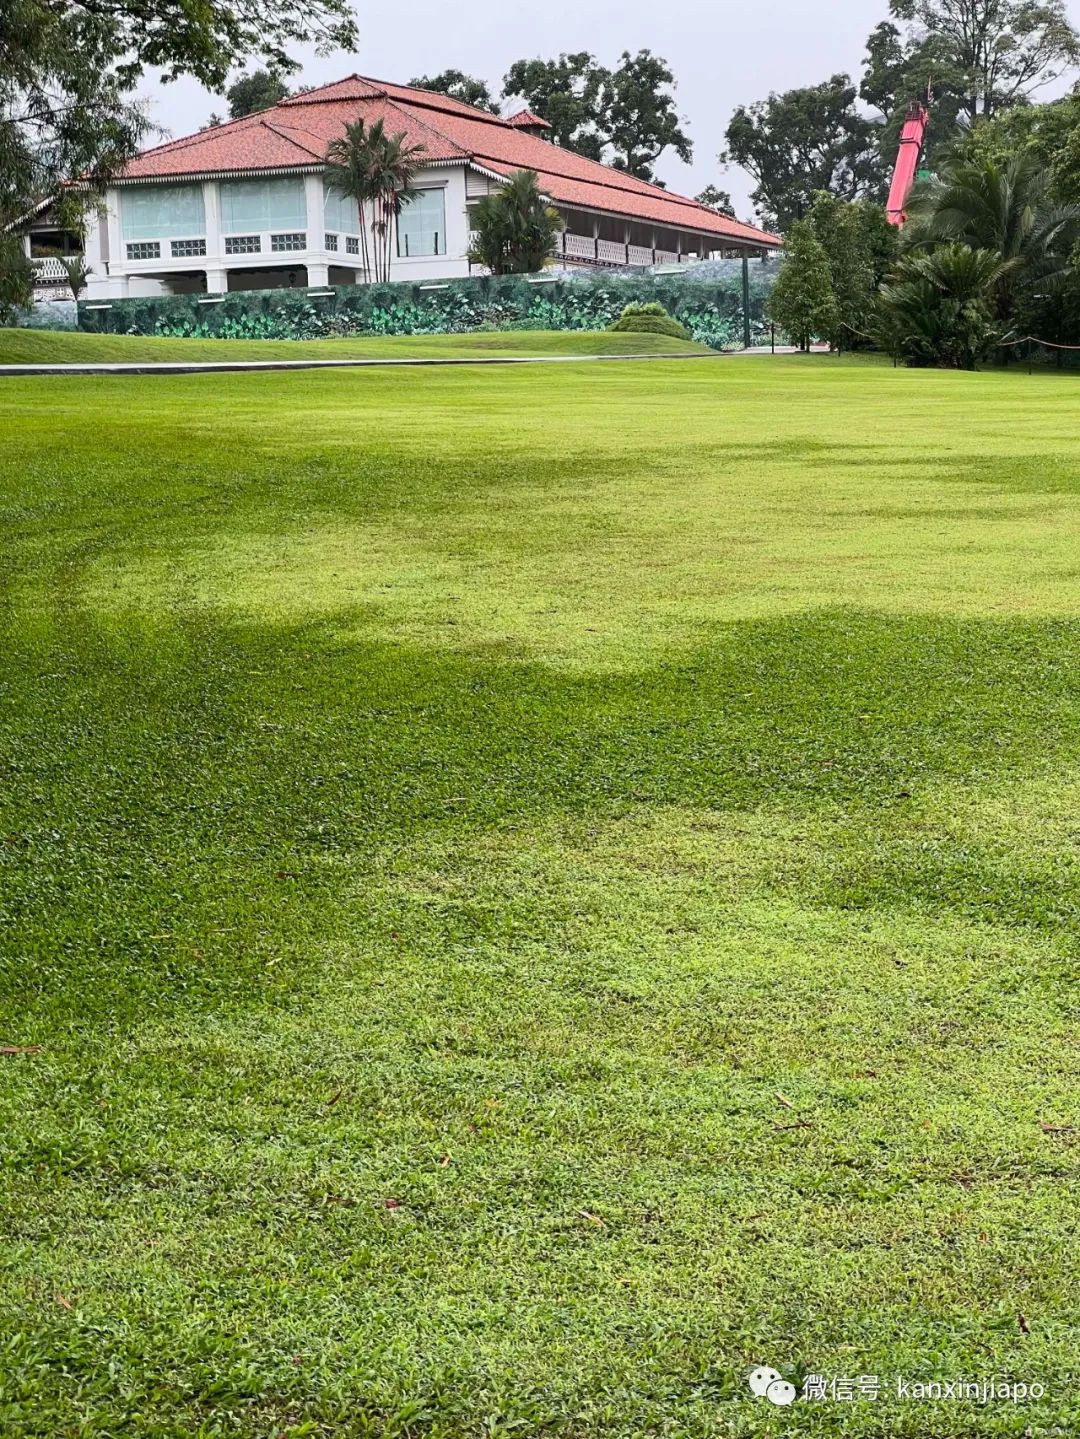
<point>708,304</point>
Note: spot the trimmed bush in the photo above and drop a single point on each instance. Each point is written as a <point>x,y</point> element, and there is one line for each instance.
<point>651,325</point>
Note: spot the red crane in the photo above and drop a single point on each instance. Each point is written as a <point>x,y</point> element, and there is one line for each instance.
<point>907,161</point>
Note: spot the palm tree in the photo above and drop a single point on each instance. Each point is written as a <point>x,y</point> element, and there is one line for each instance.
<point>396,164</point>
<point>78,272</point>
<point>515,227</point>
<point>1005,209</point>
<point>935,309</point>
<point>374,170</point>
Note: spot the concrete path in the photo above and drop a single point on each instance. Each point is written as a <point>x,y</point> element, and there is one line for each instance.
<point>211,367</point>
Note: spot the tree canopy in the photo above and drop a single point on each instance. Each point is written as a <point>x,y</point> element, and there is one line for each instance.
<point>803,141</point>
<point>459,86</point>
<point>257,91</point>
<point>626,115</point>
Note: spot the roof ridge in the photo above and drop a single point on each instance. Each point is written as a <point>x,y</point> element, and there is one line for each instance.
<point>447,139</point>
<point>280,129</point>
<point>204,134</point>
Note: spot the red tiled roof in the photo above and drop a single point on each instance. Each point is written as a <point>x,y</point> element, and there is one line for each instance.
<point>295,133</point>
<point>528,120</point>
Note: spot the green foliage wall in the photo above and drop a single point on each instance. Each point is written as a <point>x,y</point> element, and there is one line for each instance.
<point>708,303</point>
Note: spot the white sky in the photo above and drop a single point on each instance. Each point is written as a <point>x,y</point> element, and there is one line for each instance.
<point>723,53</point>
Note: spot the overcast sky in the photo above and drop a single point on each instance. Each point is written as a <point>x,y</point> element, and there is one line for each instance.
<point>723,52</point>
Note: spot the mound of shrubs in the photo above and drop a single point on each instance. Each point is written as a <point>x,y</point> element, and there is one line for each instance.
<point>649,319</point>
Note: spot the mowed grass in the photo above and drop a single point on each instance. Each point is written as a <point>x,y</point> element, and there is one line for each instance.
<point>528,892</point>
<point>52,347</point>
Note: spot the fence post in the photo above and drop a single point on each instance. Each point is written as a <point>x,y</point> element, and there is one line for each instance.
<point>746,300</point>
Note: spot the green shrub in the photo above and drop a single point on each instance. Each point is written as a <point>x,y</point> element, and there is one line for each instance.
<point>651,324</point>
<point>648,307</point>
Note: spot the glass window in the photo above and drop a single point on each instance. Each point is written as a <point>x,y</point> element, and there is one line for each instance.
<point>248,206</point>
<point>342,215</point>
<point>421,226</point>
<point>158,212</point>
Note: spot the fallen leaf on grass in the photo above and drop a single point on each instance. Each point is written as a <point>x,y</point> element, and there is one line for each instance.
<point>334,1098</point>
<point>1057,1128</point>
<point>20,1048</point>
<point>63,1300</point>
<point>1025,1327</point>
<point>445,1161</point>
<point>799,1124</point>
<point>391,1203</point>
<point>784,1100</point>
<point>593,1218</point>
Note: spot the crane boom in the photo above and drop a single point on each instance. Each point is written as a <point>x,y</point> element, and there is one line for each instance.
<point>907,161</point>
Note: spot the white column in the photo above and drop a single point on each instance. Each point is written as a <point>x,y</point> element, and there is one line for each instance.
<point>116,255</point>
<point>217,281</point>
<point>318,263</point>
<point>215,245</point>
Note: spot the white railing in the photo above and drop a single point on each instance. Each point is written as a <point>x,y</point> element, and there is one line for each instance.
<point>639,256</point>
<point>49,271</point>
<point>666,257</point>
<point>611,252</point>
<point>579,247</point>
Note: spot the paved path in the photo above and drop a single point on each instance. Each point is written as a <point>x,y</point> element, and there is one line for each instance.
<point>211,367</point>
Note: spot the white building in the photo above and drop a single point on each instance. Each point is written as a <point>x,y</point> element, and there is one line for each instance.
<point>245,206</point>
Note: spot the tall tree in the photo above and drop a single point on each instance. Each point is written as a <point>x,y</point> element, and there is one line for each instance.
<point>568,93</point>
<point>716,199</point>
<point>257,91</point>
<point>802,302</point>
<point>803,141</point>
<point>859,246</point>
<point>459,86</point>
<point>626,115</point>
<point>900,68</point>
<point>376,171</point>
<point>997,52</point>
<point>639,119</point>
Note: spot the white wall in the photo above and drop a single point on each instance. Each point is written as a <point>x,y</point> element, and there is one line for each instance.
<point>115,276</point>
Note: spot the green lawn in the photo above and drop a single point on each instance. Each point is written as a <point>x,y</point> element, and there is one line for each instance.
<point>528,891</point>
<point>51,347</point>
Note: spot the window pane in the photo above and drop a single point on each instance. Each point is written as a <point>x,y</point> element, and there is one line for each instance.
<point>248,206</point>
<point>342,215</point>
<point>158,212</point>
<point>422,224</point>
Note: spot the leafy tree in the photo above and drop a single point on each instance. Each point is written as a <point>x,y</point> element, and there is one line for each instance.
<point>936,310</point>
<point>568,94</point>
<point>716,199</point>
<point>459,86</point>
<point>627,114</point>
<point>1048,135</point>
<point>901,68</point>
<point>257,91</point>
<point>515,227</point>
<point>844,232</point>
<point>803,302</point>
<point>639,119</point>
<point>996,52</point>
<point>1004,210</point>
<point>803,141</point>
<point>68,69</point>
<point>376,171</point>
